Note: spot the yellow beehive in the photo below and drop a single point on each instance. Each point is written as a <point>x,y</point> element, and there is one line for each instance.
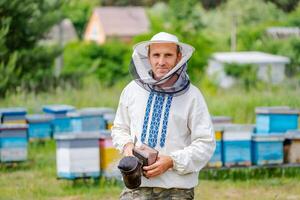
<point>109,158</point>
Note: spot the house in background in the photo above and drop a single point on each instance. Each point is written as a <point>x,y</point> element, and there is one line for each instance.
<point>271,68</point>
<point>61,33</point>
<point>116,22</point>
<point>283,32</point>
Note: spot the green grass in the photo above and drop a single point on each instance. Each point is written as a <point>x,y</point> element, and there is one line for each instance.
<point>236,103</point>
<point>36,179</point>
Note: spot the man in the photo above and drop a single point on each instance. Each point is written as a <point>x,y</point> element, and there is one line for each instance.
<point>165,111</point>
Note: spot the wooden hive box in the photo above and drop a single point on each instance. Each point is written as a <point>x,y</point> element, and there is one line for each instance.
<point>216,159</point>
<point>77,155</point>
<point>61,123</point>
<point>276,120</point>
<point>110,157</point>
<point>267,149</point>
<point>292,153</point>
<point>13,142</point>
<point>237,145</point>
<point>39,126</point>
<point>14,115</point>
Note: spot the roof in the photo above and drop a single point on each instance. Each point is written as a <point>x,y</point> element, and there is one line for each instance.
<point>68,32</point>
<point>249,57</point>
<point>123,21</point>
<point>283,32</point>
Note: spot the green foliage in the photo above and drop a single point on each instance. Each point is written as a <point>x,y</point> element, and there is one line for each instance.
<point>109,62</point>
<point>286,5</point>
<point>129,2</point>
<point>185,16</point>
<point>247,173</point>
<point>22,25</point>
<point>293,18</point>
<point>244,72</point>
<point>79,12</point>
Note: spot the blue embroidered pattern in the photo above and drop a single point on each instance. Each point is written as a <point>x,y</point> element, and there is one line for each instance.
<point>165,121</point>
<point>155,121</point>
<point>146,118</point>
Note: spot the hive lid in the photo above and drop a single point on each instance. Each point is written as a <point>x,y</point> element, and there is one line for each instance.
<point>276,110</point>
<point>95,111</point>
<point>73,114</point>
<point>221,127</point>
<point>13,111</point>
<point>78,135</point>
<point>13,127</point>
<point>221,119</point>
<point>239,127</point>
<point>267,138</point>
<point>39,118</point>
<point>293,134</point>
<point>105,133</point>
<point>109,116</point>
<point>57,109</point>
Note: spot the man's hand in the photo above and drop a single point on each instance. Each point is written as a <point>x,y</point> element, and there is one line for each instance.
<point>127,151</point>
<point>162,164</point>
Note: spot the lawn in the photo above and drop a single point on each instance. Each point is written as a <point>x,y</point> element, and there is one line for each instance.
<point>36,179</point>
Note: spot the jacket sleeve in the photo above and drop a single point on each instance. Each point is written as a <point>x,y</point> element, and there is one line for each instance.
<point>121,127</point>
<point>195,156</point>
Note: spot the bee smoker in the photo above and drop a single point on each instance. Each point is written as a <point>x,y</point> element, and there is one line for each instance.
<point>131,166</point>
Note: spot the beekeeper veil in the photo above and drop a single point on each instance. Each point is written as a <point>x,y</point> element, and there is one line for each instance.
<point>142,72</point>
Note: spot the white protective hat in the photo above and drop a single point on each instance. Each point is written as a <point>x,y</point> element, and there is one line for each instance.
<point>163,37</point>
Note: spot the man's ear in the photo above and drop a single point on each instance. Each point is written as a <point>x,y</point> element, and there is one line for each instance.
<point>179,56</point>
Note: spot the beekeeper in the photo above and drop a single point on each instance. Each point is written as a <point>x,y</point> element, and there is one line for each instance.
<point>165,111</point>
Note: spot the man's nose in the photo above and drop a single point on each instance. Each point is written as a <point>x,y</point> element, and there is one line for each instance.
<point>162,61</point>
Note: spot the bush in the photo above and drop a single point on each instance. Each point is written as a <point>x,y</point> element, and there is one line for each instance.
<point>108,62</point>
<point>246,73</point>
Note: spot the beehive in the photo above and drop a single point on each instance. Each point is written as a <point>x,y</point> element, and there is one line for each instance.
<point>293,149</point>
<point>276,120</point>
<point>110,157</point>
<point>13,142</point>
<point>237,145</point>
<point>61,122</point>
<point>267,149</point>
<point>39,126</point>
<point>77,155</point>
<point>216,160</point>
<point>87,119</point>
<point>14,115</point>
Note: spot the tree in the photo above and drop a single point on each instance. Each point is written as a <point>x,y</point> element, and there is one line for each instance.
<point>22,25</point>
<point>285,5</point>
<point>79,12</point>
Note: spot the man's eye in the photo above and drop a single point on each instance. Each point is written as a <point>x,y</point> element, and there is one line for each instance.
<point>168,55</point>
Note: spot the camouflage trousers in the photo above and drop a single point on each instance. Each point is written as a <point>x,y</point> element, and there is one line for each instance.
<point>147,193</point>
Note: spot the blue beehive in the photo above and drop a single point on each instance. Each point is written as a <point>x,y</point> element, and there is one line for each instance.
<point>14,115</point>
<point>39,126</point>
<point>267,149</point>
<point>13,142</point>
<point>88,120</point>
<point>237,145</point>
<point>276,120</point>
<point>92,118</point>
<point>61,122</point>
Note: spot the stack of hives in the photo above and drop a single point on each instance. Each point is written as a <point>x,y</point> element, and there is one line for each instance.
<point>13,135</point>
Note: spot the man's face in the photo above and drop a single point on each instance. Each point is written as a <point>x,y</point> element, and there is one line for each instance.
<point>163,57</point>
